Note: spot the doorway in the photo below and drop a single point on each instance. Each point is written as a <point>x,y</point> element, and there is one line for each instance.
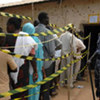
<point>94,29</point>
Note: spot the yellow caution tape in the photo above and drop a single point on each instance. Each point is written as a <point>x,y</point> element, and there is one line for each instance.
<point>22,89</point>
<point>29,45</point>
<point>52,86</point>
<point>31,57</point>
<point>83,38</point>
<point>55,31</point>
<point>38,59</point>
<point>5,14</point>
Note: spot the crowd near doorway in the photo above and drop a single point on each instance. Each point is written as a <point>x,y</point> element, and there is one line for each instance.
<point>94,29</point>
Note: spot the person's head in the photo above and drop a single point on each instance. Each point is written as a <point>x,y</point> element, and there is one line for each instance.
<point>43,18</point>
<point>71,27</point>
<point>2,39</point>
<point>35,23</point>
<point>14,25</point>
<point>28,28</point>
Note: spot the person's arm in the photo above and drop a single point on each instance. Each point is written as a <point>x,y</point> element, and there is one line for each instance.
<point>33,62</point>
<point>58,43</point>
<point>73,44</point>
<point>80,45</point>
<point>44,73</point>
<point>58,47</point>
<point>11,63</point>
<point>50,46</point>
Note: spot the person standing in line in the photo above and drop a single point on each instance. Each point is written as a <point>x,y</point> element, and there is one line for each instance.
<point>13,26</point>
<point>21,78</point>
<point>83,62</point>
<point>30,29</point>
<point>68,45</point>
<point>97,69</point>
<point>54,82</point>
<point>49,51</point>
<point>80,47</point>
<point>5,60</point>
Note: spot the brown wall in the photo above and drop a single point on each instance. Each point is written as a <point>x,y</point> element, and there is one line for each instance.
<point>71,11</point>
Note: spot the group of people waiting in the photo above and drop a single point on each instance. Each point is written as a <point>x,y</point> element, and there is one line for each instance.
<point>15,72</point>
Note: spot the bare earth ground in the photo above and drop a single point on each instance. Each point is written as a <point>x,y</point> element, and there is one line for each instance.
<point>76,94</point>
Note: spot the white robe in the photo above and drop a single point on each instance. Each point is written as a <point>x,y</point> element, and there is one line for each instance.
<point>68,45</point>
<point>23,46</point>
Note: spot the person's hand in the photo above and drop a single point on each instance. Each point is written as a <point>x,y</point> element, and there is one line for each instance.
<point>44,76</point>
<point>89,62</point>
<point>35,76</point>
<point>79,49</point>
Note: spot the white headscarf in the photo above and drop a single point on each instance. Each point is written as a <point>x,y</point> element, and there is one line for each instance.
<point>26,43</point>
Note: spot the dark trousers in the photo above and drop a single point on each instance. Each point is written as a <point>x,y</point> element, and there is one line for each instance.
<point>23,80</point>
<point>53,82</point>
<point>45,95</point>
<point>83,63</point>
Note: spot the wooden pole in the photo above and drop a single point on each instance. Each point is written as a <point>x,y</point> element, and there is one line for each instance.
<point>69,76</point>
<point>32,12</point>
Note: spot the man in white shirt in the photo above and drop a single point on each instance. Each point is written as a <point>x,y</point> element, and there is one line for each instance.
<point>68,45</point>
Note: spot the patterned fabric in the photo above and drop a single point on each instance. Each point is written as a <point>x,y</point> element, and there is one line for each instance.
<point>23,80</point>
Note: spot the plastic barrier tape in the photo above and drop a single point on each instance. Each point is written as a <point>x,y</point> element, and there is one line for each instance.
<point>25,88</point>
<point>5,14</point>
<point>52,86</point>
<point>31,44</point>
<point>31,57</point>
<point>83,38</point>
<point>55,31</point>
<point>38,59</point>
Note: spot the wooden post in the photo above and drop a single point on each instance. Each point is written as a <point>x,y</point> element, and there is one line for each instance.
<point>71,58</point>
<point>32,12</point>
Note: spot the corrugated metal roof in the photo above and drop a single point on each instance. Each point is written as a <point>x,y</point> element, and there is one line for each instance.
<point>20,3</point>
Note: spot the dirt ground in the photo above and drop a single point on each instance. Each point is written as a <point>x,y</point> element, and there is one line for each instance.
<point>76,93</point>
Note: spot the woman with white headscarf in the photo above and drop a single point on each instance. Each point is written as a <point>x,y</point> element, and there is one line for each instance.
<point>24,46</point>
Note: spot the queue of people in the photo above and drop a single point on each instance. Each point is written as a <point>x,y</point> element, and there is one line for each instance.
<point>17,72</point>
